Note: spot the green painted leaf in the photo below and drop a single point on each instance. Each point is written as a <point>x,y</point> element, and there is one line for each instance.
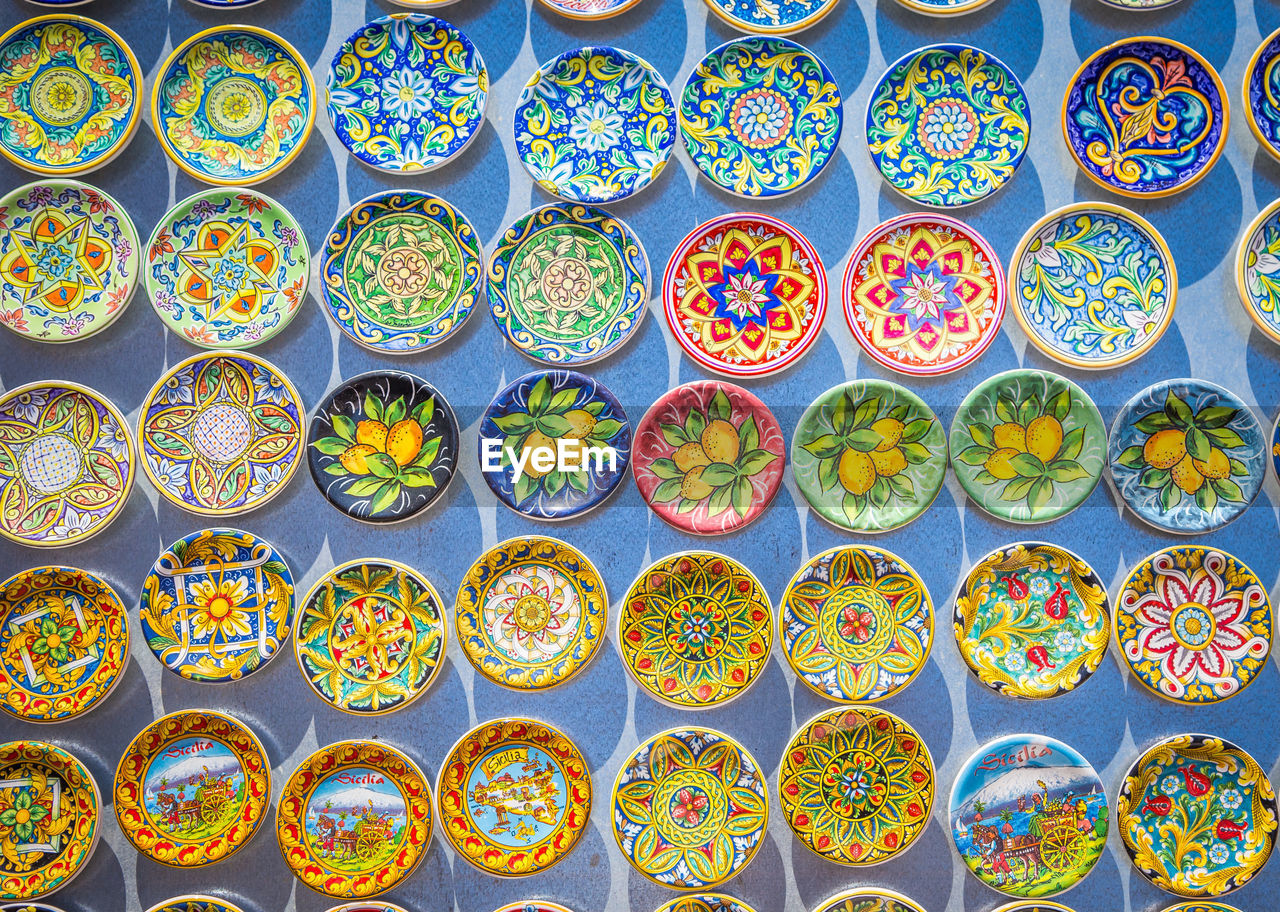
<point>1156,421</point>
<point>382,465</point>
<point>974,455</point>
<point>1177,410</point>
<point>1132,458</point>
<point>665,468</point>
<point>666,492</point>
<point>695,423</point>
<point>1154,478</point>
<point>553,425</point>
<point>1225,438</point>
<point>344,427</point>
<point>1040,494</point>
<point>755,461</point>
<point>373,406</point>
<point>863,439</point>
<point>1017,489</point>
<point>742,496</point>
<point>331,446</point>
<point>853,506</point>
<point>1026,465</point>
<point>748,435</point>
<point>1228,490</point>
<point>982,435</point>
<point>915,430</point>
<point>1198,444</point>
<point>562,400</point>
<point>828,474</point>
<point>395,411</point>
<point>719,407</point>
<point>866,411</point>
<point>721,499</point>
<point>538,396</point>
<point>1066,470</point>
<point>1072,444</point>
<point>1214,416</point>
<point>719,473</point>
<point>387,495</point>
<point>1060,405</point>
<point>552,482</point>
<point>674,434</point>
<point>1170,497</point>
<point>1206,498</point>
<point>363,487</point>
<point>515,423</point>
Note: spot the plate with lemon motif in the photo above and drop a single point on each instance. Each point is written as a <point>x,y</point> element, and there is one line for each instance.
<point>868,899</point>
<point>702,902</point>
<point>782,18</point>
<point>196,902</point>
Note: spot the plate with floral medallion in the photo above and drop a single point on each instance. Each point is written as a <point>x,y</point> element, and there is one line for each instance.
<point>752,103</point>
<point>196,902</point>
<point>568,284</point>
<point>1197,816</point>
<point>1257,271</point>
<point>221,434</point>
<point>857,785</point>
<point>589,10</point>
<point>66,463</point>
<point>233,105</point>
<point>64,643</point>
<point>514,797</point>
<point>354,819</point>
<point>703,902</point>
<point>868,899</point>
<point>69,261</point>
<point>944,7</point>
<point>192,788</point>
<point>695,629</point>
<point>370,637</point>
<point>217,605</point>
<point>1262,94</point>
<point>50,818</point>
<point>856,624</point>
<point>783,18</point>
<point>1120,91</point>
<point>690,808</point>
<point>745,295</point>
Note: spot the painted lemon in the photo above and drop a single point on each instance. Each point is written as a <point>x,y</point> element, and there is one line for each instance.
<point>1216,466</point>
<point>1186,476</point>
<point>1165,449</point>
<point>720,441</point>
<point>1044,437</point>
<point>354,458</point>
<point>890,462</point>
<point>998,463</point>
<point>692,486</point>
<point>1011,435</point>
<point>689,455</point>
<point>890,431</point>
<point>404,440</point>
<point>856,471</point>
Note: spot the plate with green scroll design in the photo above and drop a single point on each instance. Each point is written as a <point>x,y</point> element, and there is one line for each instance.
<point>868,899</point>
<point>1262,94</point>
<point>1028,446</point>
<point>701,902</point>
<point>1257,271</point>
<point>1094,285</point>
<point>784,17</point>
<point>568,284</point>
<point>948,125</point>
<point>594,125</point>
<point>761,116</point>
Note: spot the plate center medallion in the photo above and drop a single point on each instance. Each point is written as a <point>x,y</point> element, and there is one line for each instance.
<point>236,106</point>
<point>857,623</point>
<point>697,807</point>
<point>61,96</point>
<point>371,639</point>
<point>221,432</point>
<point>50,463</point>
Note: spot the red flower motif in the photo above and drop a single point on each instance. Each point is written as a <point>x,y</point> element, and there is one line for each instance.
<point>161,246</point>
<point>857,624</point>
<point>1172,73</point>
<point>251,202</point>
<point>15,319</point>
<point>689,807</point>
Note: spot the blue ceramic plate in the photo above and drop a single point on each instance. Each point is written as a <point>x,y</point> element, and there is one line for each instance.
<point>944,7</point>
<point>1257,271</point>
<point>1262,93</point>
<point>781,17</point>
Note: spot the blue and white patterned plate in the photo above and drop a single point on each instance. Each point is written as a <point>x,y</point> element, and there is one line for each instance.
<point>1262,93</point>
<point>776,17</point>
<point>1257,271</point>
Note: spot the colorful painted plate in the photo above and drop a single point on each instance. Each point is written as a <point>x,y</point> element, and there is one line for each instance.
<point>1194,624</point>
<point>29,906</point>
<point>221,434</point>
<point>690,808</point>
<point>745,295</point>
<point>1257,271</point>
<point>709,457</point>
<point>590,10</point>
<point>227,269</point>
<point>856,624</point>
<point>568,284</point>
<point>56,811</point>
<point>869,456</point>
<point>1262,94</point>
<point>217,606</point>
<point>196,902</point>
<point>1140,5</point>
<point>948,124</point>
<point>698,902</point>
<point>1118,94</point>
<point>761,116</point>
<point>514,797</point>
<point>233,105</point>
<point>59,114</point>
<point>370,637</point>
<point>595,125</point>
<point>554,444</point>
<point>66,464</point>
<point>944,7</point>
<point>924,294</point>
<point>1028,446</point>
<point>192,788</point>
<point>1187,456</point>
<point>1029,815</point>
<point>782,18</point>
<point>1197,815</point>
<point>1195,906</point>
<point>1094,285</point>
<point>1275,447</point>
<point>868,899</point>
<point>1044,905</point>
<point>354,819</point>
<point>384,446</point>
<point>856,785</point>
<point>374,906</point>
<point>69,260</point>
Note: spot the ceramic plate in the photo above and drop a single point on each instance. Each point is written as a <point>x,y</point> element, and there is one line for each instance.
<point>1044,905</point>
<point>782,18</point>
<point>368,906</point>
<point>856,624</point>
<point>1262,94</point>
<point>1257,271</point>
<point>690,808</point>
<point>66,464</point>
<point>1140,5</point>
<point>1275,447</point>
<point>592,10</point>
<point>868,899</point>
<point>761,116</point>
<point>700,902</point>
<point>196,902</point>
<point>944,7</point>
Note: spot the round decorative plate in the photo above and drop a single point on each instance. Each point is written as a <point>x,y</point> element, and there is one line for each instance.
<point>1028,446</point>
<point>29,906</point>
<point>407,92</point>
<point>50,810</point>
<point>401,271</point>
<point>709,457</point>
<point>233,105</point>
<point>948,124</point>
<point>64,643</point>
<point>196,902</point>
<point>783,18</point>
<point>1094,285</point>
<point>514,797</point>
<point>1032,620</point>
<point>745,295</point>
<point>68,94</point>
<point>1187,456</point>
<point>227,268</point>
<point>1197,815</point>
<point>1145,117</point>
<point>1044,905</point>
<point>370,637</point>
<point>217,606</point>
<point>944,7</point>
<point>1257,271</point>
<point>384,446</point>
<point>690,808</point>
<point>924,294</point>
<point>697,902</point>
<point>1275,446</point>
<point>761,116</point>
<point>66,464</point>
<point>375,906</point>
<point>192,788</point>
<point>1028,815</point>
<point>595,125</point>
<point>695,630</point>
<point>592,10</point>
<point>530,613</point>
<point>856,785</point>
<point>69,260</point>
<point>568,284</point>
<point>1262,93</point>
<point>869,456</point>
<point>1140,5</point>
<point>354,819</point>
<point>868,899</point>
<point>856,624</point>
<point>221,434</point>
<point>1194,624</point>
<point>554,444</point>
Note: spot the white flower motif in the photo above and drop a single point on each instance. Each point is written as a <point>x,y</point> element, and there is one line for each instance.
<point>761,118</point>
<point>27,406</point>
<point>1170,784</point>
<point>166,473</point>
<point>1039,585</point>
<point>596,127</point>
<point>1138,320</point>
<point>744,294</point>
<point>1015,661</point>
<point>1065,641</point>
<point>177,388</point>
<point>406,94</point>
<point>74,523</point>
<point>1267,264</point>
<point>1218,853</point>
<point>112,439</point>
<point>1230,799</point>
<point>266,479</point>
<point>270,386</point>
<point>948,128</point>
<point>924,295</point>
